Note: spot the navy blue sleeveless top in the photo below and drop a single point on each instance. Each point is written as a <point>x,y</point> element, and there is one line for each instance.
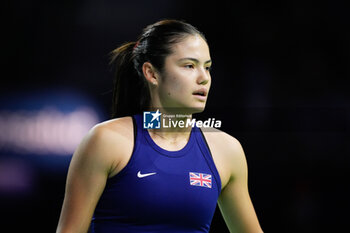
<point>159,190</point>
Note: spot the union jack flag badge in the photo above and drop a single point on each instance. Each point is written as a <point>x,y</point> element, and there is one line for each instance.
<point>200,179</point>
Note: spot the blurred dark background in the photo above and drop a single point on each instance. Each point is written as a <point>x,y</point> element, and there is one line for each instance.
<point>280,86</point>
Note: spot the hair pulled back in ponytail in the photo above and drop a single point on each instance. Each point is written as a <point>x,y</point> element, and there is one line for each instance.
<point>131,92</point>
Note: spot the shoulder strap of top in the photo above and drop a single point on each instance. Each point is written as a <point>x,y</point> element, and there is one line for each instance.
<point>137,120</point>
<point>134,125</point>
<point>204,147</point>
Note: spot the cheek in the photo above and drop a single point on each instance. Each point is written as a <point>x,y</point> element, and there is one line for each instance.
<point>174,86</point>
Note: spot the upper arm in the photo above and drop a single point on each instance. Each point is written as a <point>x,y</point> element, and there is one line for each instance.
<point>234,201</point>
<point>88,171</point>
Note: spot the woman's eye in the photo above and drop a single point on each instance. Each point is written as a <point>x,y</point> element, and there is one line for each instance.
<point>189,66</point>
<point>208,68</point>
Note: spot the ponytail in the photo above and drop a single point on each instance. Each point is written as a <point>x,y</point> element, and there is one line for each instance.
<point>130,94</point>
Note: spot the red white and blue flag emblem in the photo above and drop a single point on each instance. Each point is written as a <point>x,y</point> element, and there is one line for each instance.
<point>200,179</point>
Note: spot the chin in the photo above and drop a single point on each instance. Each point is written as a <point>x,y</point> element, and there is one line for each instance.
<point>188,108</point>
<point>196,109</point>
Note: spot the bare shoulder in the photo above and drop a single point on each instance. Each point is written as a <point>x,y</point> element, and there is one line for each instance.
<point>119,127</point>
<point>227,152</point>
<point>227,143</point>
<point>111,133</point>
<point>108,143</point>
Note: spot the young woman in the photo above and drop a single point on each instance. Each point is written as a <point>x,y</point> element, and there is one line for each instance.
<point>124,178</point>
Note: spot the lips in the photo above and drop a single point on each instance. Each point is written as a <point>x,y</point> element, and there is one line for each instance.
<point>201,92</point>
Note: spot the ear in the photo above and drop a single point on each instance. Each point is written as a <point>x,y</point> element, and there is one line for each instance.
<point>150,73</point>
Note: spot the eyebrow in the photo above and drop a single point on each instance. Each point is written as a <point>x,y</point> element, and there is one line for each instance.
<point>193,59</point>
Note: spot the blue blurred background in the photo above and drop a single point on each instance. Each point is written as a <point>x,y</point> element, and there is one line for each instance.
<point>280,86</point>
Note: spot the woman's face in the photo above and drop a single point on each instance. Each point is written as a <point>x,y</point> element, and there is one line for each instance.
<point>184,85</point>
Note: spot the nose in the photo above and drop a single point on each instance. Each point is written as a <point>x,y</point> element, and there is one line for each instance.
<point>203,76</point>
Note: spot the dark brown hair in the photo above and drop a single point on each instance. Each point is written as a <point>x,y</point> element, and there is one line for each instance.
<point>131,93</point>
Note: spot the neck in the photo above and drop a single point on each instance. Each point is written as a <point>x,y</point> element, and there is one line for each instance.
<point>174,127</point>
